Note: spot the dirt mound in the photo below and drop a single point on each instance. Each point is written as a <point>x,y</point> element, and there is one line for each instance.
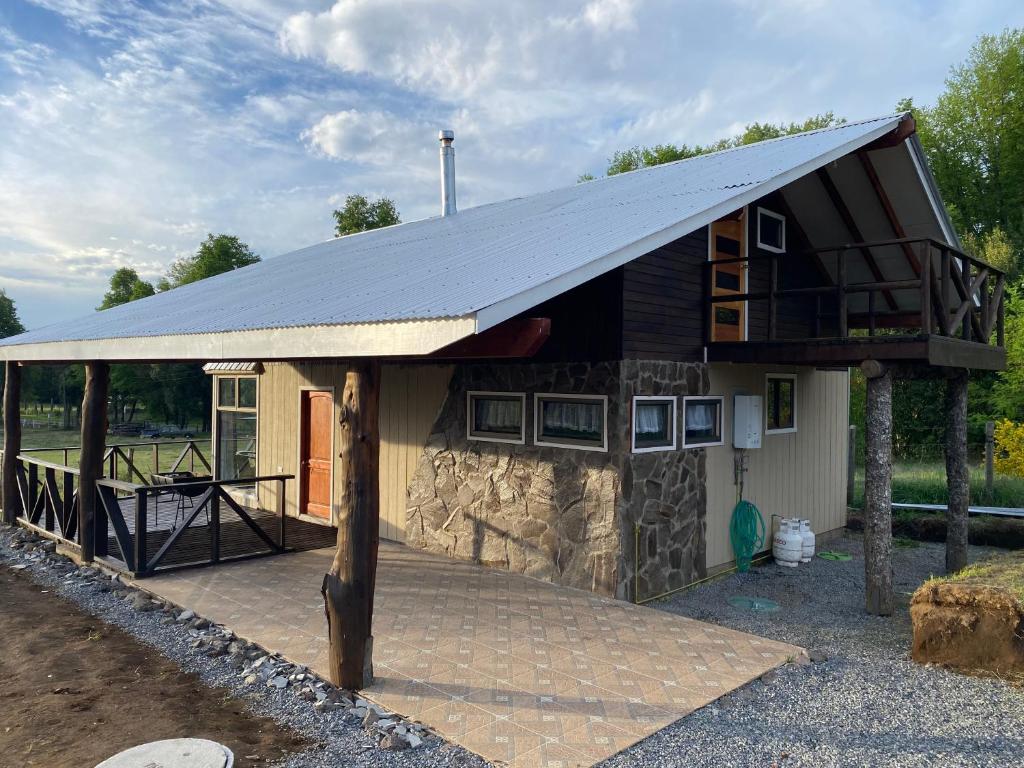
<point>968,626</point>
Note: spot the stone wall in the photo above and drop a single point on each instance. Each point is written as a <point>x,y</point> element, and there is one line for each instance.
<point>559,514</point>
<point>664,493</point>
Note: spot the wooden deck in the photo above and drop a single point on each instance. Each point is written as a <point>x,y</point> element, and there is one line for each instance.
<point>237,540</point>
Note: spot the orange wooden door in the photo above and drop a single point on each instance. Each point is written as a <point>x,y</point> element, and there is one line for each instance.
<point>728,240</point>
<point>315,454</point>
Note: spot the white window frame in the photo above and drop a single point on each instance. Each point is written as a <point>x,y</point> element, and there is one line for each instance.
<point>796,396</point>
<point>504,395</point>
<point>721,421</point>
<point>774,215</point>
<point>671,401</point>
<point>538,396</point>
<point>217,407</point>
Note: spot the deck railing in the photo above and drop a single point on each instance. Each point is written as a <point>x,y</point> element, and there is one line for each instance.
<point>119,459</point>
<point>49,500</point>
<point>954,294</point>
<point>211,497</point>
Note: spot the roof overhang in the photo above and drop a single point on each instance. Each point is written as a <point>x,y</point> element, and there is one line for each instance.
<point>389,339</point>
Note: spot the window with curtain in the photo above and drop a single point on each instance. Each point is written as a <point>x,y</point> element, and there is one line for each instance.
<point>654,426</point>
<point>573,421</point>
<point>496,416</point>
<point>702,421</point>
<point>236,427</point>
<point>780,403</point>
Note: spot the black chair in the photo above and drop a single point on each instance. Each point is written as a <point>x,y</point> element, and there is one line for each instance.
<point>180,485</point>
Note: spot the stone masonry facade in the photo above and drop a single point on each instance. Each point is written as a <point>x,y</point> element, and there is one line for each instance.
<point>559,514</point>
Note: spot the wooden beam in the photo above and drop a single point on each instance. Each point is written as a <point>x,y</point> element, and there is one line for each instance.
<point>879,599</point>
<point>957,472</point>
<point>903,131</point>
<point>844,213</point>
<point>518,337</point>
<point>890,212</point>
<point>12,441</point>
<point>348,586</point>
<point>90,462</point>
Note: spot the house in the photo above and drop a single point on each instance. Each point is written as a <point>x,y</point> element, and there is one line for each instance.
<point>558,372</point>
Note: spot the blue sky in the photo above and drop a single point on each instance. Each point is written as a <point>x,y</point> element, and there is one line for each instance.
<point>130,130</point>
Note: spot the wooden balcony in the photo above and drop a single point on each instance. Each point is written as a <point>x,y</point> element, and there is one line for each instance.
<point>907,300</point>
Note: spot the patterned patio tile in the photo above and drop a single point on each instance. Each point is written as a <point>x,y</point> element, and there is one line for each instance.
<point>518,671</point>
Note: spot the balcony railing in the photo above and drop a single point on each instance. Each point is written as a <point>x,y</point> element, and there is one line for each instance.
<point>947,292</point>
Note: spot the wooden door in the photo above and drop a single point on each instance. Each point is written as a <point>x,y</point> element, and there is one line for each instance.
<point>728,242</point>
<point>315,453</point>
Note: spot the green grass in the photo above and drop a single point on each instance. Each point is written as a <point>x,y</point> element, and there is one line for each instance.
<point>999,571</point>
<point>925,483</point>
<point>142,458</point>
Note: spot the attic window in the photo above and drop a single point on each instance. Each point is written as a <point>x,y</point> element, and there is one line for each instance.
<point>771,231</point>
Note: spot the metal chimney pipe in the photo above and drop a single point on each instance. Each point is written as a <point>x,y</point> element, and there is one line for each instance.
<point>447,172</point>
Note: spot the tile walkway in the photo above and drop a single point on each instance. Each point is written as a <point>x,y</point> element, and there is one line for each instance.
<point>517,670</point>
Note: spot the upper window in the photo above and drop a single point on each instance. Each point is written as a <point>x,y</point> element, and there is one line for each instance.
<point>236,427</point>
<point>496,417</point>
<point>654,424</point>
<point>702,422</point>
<point>572,421</point>
<point>780,403</point>
<point>771,231</point>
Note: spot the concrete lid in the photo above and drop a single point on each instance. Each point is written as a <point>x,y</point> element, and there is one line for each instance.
<point>173,753</point>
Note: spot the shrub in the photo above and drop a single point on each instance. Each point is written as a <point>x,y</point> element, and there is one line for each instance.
<point>1009,455</point>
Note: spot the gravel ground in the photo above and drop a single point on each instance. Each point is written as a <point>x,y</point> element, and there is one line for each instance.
<point>339,737</point>
<point>861,703</point>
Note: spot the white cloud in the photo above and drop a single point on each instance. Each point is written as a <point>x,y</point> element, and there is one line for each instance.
<point>163,121</point>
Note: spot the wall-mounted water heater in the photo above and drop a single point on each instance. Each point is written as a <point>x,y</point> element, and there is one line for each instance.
<point>746,421</point>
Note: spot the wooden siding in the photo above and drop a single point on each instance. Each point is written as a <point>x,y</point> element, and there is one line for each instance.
<point>801,473</point>
<point>662,301</point>
<point>586,322</point>
<point>411,396</point>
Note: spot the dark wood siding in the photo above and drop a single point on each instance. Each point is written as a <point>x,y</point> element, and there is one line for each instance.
<point>662,301</point>
<point>586,322</point>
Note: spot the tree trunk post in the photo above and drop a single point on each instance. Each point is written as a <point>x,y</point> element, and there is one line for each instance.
<point>348,586</point>
<point>957,471</point>
<point>12,441</point>
<point>990,456</point>
<point>851,466</point>
<point>879,597</point>
<point>90,461</point>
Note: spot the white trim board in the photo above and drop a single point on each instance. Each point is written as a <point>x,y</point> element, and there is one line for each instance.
<point>408,337</point>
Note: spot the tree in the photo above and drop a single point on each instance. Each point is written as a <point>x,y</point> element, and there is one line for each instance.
<point>360,215</point>
<point>10,325</point>
<point>216,254</point>
<point>643,157</point>
<point>125,286</point>
<point>974,138</point>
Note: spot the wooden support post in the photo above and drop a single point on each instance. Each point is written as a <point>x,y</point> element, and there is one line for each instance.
<point>348,586</point>
<point>844,325</point>
<point>926,289</point>
<point>12,441</point>
<point>990,455</point>
<point>879,597</point>
<point>851,466</point>
<point>957,471</point>
<point>90,460</point>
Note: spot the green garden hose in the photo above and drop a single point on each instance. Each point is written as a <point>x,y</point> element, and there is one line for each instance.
<point>746,534</point>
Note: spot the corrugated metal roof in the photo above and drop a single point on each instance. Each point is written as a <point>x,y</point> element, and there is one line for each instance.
<point>485,257</point>
<point>216,368</point>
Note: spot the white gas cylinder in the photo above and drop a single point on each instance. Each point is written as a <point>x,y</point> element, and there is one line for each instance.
<point>788,544</point>
<point>807,535</point>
